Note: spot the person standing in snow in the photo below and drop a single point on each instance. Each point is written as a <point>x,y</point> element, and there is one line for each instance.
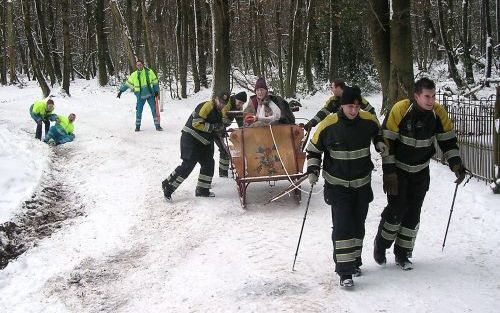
<point>344,139</point>
<point>332,104</point>
<point>410,130</point>
<point>63,131</point>
<point>144,84</point>
<point>42,112</point>
<point>197,146</point>
<point>265,109</point>
<point>235,103</point>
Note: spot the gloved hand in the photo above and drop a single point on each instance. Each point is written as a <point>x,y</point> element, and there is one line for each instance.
<point>390,184</point>
<point>250,118</point>
<point>119,94</point>
<point>157,95</point>
<point>459,170</point>
<point>219,127</point>
<point>307,126</point>
<point>39,122</point>
<point>313,178</point>
<point>382,148</point>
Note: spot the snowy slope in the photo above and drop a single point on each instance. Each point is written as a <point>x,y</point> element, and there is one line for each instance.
<point>132,251</point>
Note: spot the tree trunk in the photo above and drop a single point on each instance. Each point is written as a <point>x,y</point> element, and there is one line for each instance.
<point>202,25</point>
<point>31,46</point>
<point>469,74</point>
<point>279,43</point>
<point>3,44</point>
<point>253,42</point>
<point>148,47</point>
<point>11,48</point>
<point>139,31</point>
<point>45,42</point>
<point>101,38</point>
<point>182,45</point>
<point>132,55</point>
<point>334,47</point>
<point>65,9</point>
<point>221,48</point>
<point>446,43</point>
<point>381,40</point>
<point>296,53</point>
<point>53,40</point>
<point>192,46</point>
<point>401,66</point>
<point>307,54</point>
<point>489,41</point>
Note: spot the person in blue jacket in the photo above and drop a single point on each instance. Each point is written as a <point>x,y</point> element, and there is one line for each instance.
<point>144,83</point>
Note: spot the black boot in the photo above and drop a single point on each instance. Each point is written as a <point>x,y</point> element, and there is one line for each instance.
<point>379,253</point>
<point>167,190</point>
<point>137,128</point>
<point>346,281</point>
<point>404,263</point>
<point>158,128</point>
<point>203,192</point>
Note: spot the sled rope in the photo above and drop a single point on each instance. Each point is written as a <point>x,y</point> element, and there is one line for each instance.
<point>284,167</point>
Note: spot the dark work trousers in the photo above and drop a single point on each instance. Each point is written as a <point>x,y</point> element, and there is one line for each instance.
<point>349,206</point>
<point>38,133</point>
<point>223,157</point>
<point>192,152</point>
<point>401,217</point>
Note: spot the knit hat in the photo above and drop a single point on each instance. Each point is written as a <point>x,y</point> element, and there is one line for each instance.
<point>242,96</point>
<point>350,94</point>
<point>260,83</point>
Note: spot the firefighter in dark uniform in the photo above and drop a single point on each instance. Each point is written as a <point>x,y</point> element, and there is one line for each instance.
<point>332,105</point>
<point>235,103</point>
<point>344,138</point>
<point>410,130</point>
<point>197,146</point>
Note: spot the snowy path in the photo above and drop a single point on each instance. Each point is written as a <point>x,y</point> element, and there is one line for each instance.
<point>134,252</point>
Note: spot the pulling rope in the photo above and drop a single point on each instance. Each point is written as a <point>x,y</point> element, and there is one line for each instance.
<point>284,167</point>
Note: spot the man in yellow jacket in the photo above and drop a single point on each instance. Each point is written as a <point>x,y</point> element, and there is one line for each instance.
<point>42,112</point>
<point>144,83</point>
<point>63,131</point>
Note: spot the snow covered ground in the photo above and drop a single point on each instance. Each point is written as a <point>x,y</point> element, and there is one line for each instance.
<point>131,251</point>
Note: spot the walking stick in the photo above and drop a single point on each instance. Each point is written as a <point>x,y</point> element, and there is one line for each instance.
<point>449,218</point>
<point>302,228</point>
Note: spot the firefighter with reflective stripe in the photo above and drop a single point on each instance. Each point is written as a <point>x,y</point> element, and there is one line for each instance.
<point>410,130</point>
<point>144,84</point>
<point>235,103</point>
<point>197,146</point>
<point>42,112</point>
<point>332,104</point>
<point>63,131</point>
<point>344,141</point>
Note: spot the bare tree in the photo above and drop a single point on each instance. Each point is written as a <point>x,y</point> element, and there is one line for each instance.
<point>45,42</point>
<point>11,48</point>
<point>65,9</point>
<point>220,45</point>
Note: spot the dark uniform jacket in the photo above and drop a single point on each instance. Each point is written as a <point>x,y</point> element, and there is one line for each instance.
<point>332,105</point>
<point>410,133</point>
<point>203,121</point>
<point>345,144</point>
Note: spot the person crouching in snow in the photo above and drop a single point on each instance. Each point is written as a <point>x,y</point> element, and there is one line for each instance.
<point>42,112</point>
<point>197,146</point>
<point>63,131</point>
<point>144,83</point>
<point>344,139</point>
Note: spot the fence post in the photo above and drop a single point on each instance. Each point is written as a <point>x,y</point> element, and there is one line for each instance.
<point>496,143</point>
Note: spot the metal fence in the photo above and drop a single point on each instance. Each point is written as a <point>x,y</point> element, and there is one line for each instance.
<point>474,123</point>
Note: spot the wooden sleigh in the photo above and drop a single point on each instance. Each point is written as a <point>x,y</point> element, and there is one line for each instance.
<point>266,154</point>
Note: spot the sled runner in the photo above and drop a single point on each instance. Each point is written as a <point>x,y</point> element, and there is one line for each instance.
<point>266,154</point>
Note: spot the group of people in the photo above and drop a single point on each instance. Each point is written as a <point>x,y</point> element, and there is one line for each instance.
<point>340,149</point>
<point>341,145</point>
<point>42,112</point>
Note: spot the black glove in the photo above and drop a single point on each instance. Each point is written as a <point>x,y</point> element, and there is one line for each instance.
<point>156,94</point>
<point>459,171</point>
<point>219,127</point>
<point>390,184</point>
<point>308,126</point>
<point>119,94</point>
<point>39,122</point>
